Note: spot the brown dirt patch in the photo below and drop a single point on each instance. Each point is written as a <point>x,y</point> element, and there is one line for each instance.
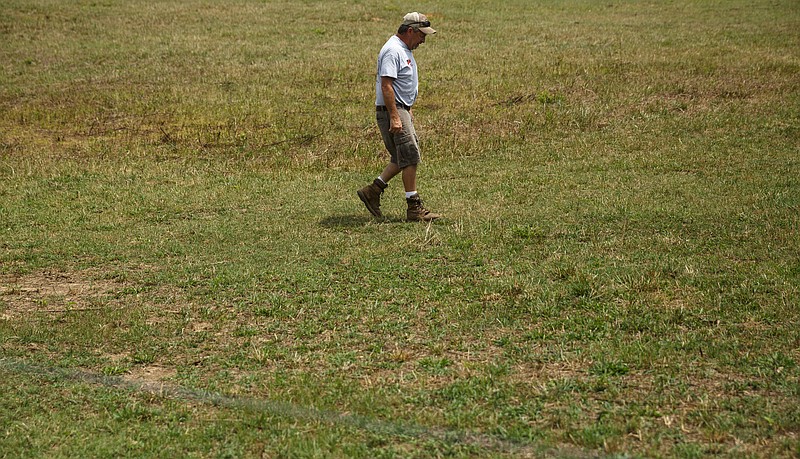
<point>150,374</point>
<point>53,292</point>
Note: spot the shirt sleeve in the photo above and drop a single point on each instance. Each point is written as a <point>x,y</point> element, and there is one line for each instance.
<point>389,65</point>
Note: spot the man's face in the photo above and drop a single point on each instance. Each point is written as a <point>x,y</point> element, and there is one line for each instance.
<point>417,38</point>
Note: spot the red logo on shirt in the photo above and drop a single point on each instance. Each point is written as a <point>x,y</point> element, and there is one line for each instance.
<point>409,62</point>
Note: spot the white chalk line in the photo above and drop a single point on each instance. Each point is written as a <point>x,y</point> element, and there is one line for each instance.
<point>292,411</point>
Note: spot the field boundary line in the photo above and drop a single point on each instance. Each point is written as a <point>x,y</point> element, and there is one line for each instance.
<point>348,420</point>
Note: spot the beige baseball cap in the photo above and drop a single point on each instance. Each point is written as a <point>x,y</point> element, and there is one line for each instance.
<point>418,21</point>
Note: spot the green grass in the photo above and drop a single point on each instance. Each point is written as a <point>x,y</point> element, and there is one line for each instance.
<point>185,269</point>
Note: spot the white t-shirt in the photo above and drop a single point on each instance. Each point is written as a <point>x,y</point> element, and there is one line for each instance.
<point>396,60</point>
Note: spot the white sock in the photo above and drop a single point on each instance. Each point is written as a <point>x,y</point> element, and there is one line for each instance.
<point>410,193</point>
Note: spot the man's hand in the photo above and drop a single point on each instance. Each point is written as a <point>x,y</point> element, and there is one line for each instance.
<point>395,124</point>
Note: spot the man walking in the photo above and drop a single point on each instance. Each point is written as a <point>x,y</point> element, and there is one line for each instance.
<point>396,89</point>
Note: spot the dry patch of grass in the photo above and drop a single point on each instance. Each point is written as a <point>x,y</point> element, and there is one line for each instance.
<point>54,292</point>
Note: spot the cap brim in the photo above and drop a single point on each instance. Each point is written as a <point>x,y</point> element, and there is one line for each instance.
<point>427,30</point>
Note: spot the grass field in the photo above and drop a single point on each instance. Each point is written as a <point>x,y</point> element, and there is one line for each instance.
<point>186,271</point>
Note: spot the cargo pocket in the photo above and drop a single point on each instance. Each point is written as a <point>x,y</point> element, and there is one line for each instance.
<point>407,149</point>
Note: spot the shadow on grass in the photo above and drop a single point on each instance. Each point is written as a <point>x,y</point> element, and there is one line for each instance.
<point>355,221</point>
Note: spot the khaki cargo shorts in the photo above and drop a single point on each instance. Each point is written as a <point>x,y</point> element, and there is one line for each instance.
<point>403,147</point>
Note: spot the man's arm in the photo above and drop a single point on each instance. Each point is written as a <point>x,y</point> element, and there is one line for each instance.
<point>395,124</point>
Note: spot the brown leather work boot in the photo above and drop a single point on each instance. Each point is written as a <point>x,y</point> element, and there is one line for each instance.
<point>417,212</point>
<point>370,195</point>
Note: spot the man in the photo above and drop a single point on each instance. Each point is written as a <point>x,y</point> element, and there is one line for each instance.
<point>396,89</point>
